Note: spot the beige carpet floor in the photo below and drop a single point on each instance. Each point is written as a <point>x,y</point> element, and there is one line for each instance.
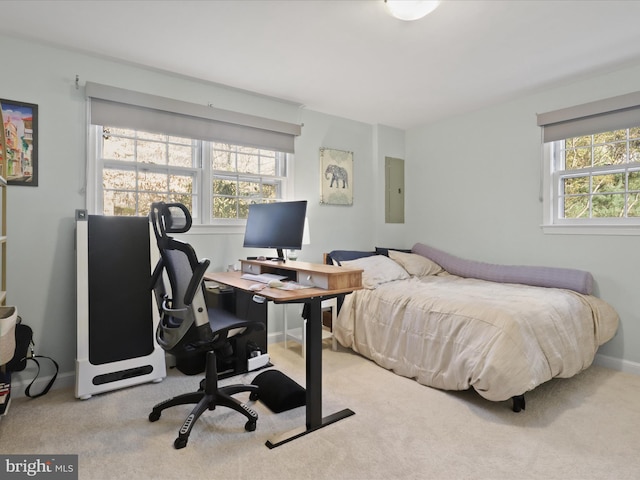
<point>586,427</point>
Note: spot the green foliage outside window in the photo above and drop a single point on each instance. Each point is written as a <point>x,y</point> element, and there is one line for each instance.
<point>140,168</point>
<point>600,177</point>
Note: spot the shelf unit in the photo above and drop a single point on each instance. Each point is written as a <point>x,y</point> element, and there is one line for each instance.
<point>3,238</point>
<point>5,377</point>
<point>3,213</point>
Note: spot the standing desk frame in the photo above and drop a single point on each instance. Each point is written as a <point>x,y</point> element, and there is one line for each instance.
<point>335,278</point>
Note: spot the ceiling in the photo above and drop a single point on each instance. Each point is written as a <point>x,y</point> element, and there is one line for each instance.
<point>350,58</point>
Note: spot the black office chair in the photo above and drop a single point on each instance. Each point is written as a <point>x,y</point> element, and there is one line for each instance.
<point>187,326</point>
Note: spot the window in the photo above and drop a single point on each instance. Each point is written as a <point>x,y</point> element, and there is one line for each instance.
<point>217,181</point>
<point>144,148</point>
<point>244,175</point>
<point>591,173</point>
<point>597,177</point>
<point>139,168</point>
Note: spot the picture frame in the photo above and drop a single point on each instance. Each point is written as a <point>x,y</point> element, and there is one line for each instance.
<point>19,142</point>
<point>336,177</point>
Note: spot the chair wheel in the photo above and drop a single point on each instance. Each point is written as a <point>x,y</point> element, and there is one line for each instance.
<point>253,396</point>
<point>154,416</point>
<point>250,426</point>
<point>179,443</point>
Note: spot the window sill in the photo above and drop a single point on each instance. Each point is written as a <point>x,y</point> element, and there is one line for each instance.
<point>216,230</point>
<point>591,229</point>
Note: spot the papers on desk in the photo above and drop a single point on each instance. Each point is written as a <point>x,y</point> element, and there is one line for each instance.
<point>293,286</point>
<point>215,286</point>
<point>267,277</point>
<point>263,277</point>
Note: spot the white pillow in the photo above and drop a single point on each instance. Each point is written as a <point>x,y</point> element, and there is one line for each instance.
<point>378,269</point>
<point>415,264</point>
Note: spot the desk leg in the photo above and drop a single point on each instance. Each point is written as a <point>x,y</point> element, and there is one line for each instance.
<point>314,365</point>
<point>313,361</point>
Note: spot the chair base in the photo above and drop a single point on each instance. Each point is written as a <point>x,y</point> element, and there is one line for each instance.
<point>208,397</point>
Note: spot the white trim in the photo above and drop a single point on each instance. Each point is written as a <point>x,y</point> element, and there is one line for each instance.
<point>617,364</point>
<point>92,166</point>
<point>19,384</point>
<point>202,182</point>
<point>590,226</point>
<point>67,379</point>
<point>217,229</point>
<point>591,229</point>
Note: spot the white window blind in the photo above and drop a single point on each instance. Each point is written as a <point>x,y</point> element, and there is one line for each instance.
<point>144,148</point>
<point>123,108</point>
<point>594,117</point>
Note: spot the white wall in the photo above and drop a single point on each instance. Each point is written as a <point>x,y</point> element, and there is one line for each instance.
<point>497,148</point>
<point>474,184</point>
<point>41,257</point>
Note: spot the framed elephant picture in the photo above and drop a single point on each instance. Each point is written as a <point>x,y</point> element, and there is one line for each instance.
<point>336,177</point>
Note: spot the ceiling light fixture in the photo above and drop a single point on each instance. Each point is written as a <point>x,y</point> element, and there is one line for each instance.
<point>411,9</point>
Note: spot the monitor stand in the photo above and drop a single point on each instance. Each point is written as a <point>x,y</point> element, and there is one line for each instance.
<point>279,258</point>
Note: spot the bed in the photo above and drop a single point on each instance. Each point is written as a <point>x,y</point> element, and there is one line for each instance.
<point>456,324</point>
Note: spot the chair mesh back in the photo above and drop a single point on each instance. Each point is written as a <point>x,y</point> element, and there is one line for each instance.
<point>179,272</point>
<point>182,323</point>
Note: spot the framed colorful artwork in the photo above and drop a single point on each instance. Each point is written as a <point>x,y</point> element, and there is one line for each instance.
<point>19,142</point>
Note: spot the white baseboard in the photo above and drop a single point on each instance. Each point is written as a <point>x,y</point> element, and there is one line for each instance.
<point>275,337</point>
<point>19,384</point>
<point>67,380</point>
<point>617,364</point>
<point>21,380</point>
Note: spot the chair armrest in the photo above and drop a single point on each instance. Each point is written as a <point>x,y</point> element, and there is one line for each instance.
<point>157,272</point>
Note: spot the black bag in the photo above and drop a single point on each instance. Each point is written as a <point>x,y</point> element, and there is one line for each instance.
<point>24,340</point>
<point>24,351</point>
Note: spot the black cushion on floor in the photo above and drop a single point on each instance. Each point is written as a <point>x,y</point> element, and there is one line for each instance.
<point>279,392</point>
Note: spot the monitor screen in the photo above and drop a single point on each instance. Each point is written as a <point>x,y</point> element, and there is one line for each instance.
<point>277,225</point>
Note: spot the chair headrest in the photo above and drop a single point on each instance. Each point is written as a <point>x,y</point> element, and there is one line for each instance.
<point>177,218</point>
<point>170,218</point>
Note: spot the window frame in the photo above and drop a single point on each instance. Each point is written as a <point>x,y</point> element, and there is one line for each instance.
<point>203,178</point>
<point>552,176</point>
<point>603,115</point>
<point>283,182</point>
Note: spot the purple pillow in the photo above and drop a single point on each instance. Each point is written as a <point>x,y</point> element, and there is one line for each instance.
<point>568,278</point>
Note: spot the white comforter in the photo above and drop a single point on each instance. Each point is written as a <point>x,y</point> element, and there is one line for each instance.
<point>455,333</point>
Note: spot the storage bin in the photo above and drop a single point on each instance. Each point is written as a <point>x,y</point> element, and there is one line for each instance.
<point>8,318</point>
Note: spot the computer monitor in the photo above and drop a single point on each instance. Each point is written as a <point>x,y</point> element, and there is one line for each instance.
<point>278,225</point>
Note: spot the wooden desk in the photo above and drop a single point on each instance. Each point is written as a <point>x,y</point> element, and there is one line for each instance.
<point>341,280</point>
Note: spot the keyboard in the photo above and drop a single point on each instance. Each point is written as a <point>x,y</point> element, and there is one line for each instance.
<point>263,277</point>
